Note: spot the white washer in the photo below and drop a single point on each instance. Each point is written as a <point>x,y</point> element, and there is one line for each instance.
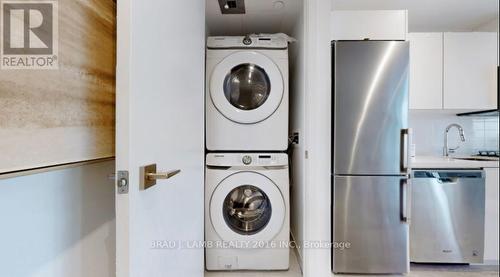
<point>247,219</point>
<point>247,93</point>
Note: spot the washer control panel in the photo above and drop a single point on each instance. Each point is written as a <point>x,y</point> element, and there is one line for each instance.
<point>247,159</point>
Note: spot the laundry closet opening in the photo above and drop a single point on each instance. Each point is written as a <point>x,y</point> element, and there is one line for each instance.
<point>254,121</point>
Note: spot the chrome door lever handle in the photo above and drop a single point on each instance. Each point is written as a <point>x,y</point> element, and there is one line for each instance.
<point>149,175</point>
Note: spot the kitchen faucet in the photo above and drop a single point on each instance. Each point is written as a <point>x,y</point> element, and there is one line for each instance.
<point>447,150</point>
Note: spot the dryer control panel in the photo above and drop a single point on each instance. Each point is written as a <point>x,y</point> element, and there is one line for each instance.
<point>247,159</point>
<point>251,41</point>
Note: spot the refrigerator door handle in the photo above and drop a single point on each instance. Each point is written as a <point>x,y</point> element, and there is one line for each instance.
<point>404,157</point>
<point>405,200</point>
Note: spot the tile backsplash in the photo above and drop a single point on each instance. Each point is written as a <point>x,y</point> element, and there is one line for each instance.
<point>428,126</point>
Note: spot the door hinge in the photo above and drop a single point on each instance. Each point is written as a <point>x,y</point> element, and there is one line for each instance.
<point>122,182</point>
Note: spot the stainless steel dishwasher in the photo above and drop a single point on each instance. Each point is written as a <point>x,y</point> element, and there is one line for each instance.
<point>447,216</point>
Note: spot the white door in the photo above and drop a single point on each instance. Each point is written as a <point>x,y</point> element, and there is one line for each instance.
<point>160,120</point>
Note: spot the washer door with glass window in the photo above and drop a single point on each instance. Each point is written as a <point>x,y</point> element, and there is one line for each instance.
<point>247,206</point>
<point>246,87</point>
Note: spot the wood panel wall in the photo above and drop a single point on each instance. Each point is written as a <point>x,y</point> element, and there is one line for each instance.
<point>50,117</point>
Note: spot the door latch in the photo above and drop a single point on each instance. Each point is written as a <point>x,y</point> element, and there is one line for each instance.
<point>122,182</point>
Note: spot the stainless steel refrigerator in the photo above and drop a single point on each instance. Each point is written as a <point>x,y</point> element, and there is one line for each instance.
<point>370,174</point>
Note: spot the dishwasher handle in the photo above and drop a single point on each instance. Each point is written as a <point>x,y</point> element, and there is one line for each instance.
<point>449,176</point>
<point>447,180</point>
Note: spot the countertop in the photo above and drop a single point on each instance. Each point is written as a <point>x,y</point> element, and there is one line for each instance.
<point>442,162</point>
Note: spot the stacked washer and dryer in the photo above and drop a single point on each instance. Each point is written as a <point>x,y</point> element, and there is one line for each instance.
<point>247,214</point>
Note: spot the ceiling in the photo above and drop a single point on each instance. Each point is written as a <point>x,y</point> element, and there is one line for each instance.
<point>432,15</point>
<point>261,17</point>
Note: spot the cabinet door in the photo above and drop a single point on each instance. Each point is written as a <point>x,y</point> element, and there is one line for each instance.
<point>373,25</point>
<point>426,70</point>
<point>470,80</point>
<point>491,216</point>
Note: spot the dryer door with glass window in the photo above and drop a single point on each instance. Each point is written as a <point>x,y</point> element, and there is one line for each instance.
<point>246,87</point>
<point>247,206</point>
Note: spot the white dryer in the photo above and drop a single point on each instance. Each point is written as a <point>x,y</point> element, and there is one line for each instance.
<point>247,214</point>
<point>247,93</point>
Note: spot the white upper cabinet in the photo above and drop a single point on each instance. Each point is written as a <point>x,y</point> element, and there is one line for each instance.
<point>456,71</point>
<point>470,61</point>
<point>426,70</point>
<point>373,25</point>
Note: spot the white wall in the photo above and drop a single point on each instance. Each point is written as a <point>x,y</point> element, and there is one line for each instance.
<point>58,223</point>
<point>261,16</point>
<point>491,26</point>
<point>317,260</point>
<point>428,132</point>
<point>297,125</point>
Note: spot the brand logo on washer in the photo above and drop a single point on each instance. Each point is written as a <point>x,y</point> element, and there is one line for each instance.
<point>247,40</point>
<point>246,160</point>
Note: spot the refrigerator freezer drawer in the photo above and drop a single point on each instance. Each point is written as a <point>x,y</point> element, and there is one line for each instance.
<point>370,109</point>
<point>370,213</point>
<point>447,216</point>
